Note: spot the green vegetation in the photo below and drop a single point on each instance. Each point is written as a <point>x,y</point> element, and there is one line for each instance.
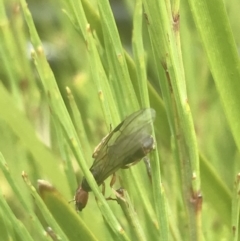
<point>68,73</point>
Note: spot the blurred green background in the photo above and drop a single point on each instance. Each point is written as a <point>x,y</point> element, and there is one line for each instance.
<point>33,141</point>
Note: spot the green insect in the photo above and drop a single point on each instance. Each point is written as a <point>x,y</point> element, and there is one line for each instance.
<point>124,146</point>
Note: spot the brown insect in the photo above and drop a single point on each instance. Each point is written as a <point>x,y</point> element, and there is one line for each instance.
<point>124,146</point>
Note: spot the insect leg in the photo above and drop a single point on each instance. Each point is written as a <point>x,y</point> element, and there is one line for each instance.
<point>120,194</point>
<point>113,180</point>
<point>103,189</point>
<point>148,167</point>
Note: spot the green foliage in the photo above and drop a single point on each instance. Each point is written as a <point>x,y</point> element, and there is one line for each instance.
<point>69,72</point>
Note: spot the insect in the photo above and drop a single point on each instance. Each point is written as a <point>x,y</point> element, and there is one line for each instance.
<point>123,147</point>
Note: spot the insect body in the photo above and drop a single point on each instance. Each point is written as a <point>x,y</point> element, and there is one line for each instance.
<point>124,146</point>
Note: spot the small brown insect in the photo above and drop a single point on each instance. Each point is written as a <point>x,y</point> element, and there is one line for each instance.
<point>124,146</point>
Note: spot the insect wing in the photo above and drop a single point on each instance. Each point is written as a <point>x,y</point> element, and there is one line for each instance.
<point>124,141</point>
<point>104,141</point>
<point>101,145</point>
